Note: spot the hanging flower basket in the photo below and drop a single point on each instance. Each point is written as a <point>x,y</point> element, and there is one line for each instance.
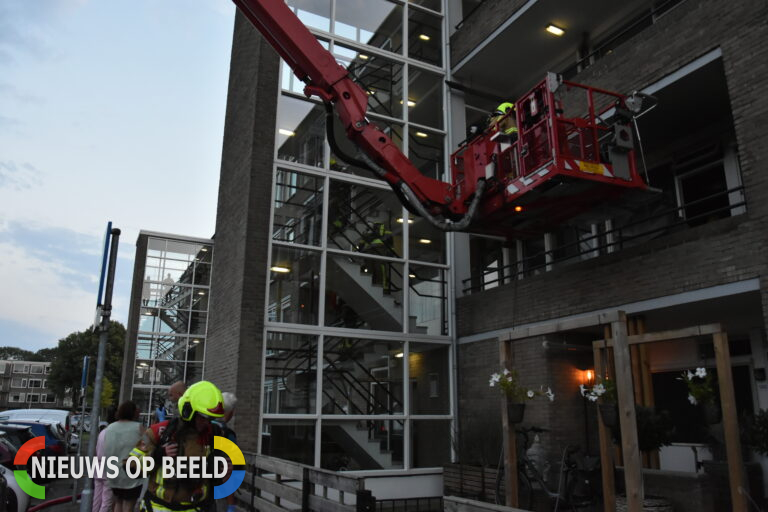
<point>515,412</point>
<point>609,412</point>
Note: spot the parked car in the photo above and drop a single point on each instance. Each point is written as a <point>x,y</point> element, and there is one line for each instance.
<point>17,434</point>
<point>55,443</point>
<point>16,500</point>
<point>7,451</point>
<point>45,415</point>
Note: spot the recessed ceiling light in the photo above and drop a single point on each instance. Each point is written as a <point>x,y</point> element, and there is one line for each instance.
<point>201,292</point>
<point>422,135</point>
<point>412,276</point>
<point>425,241</point>
<point>371,92</point>
<point>424,37</point>
<point>283,131</point>
<point>411,103</point>
<point>518,208</point>
<point>400,221</point>
<point>363,56</point>
<point>195,341</point>
<point>204,249</point>
<point>399,354</point>
<point>555,30</point>
<point>280,270</point>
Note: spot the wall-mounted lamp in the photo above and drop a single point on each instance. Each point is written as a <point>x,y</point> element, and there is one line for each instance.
<point>589,377</point>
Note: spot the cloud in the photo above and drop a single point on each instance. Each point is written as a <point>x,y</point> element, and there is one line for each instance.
<point>18,176</point>
<point>9,91</point>
<point>50,279</point>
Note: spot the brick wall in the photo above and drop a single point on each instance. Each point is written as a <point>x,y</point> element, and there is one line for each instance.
<point>481,24</point>
<point>235,330</point>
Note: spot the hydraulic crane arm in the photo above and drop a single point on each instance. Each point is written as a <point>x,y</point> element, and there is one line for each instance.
<point>326,79</point>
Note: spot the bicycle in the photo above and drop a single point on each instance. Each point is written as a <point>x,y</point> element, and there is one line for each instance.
<point>575,482</point>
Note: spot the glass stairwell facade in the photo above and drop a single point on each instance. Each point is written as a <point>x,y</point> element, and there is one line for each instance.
<point>357,338</point>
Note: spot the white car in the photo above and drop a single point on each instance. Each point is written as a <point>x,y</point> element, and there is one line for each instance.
<point>16,499</point>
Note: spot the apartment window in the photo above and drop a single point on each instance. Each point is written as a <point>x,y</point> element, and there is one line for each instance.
<point>33,398</point>
<point>48,369</point>
<point>45,384</point>
<point>2,367</point>
<point>36,369</point>
<point>16,397</point>
<point>35,383</point>
<point>20,368</point>
<point>18,382</point>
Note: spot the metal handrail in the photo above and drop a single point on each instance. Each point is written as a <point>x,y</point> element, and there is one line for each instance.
<point>507,273</point>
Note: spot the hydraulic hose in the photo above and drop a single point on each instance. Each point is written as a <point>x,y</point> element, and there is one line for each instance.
<point>402,189</point>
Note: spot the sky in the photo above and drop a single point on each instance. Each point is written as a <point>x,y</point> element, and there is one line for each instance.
<point>110,110</point>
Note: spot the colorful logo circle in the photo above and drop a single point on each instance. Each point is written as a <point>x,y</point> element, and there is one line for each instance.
<point>231,450</point>
<point>22,476</point>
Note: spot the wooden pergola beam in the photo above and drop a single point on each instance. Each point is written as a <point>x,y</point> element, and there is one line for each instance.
<point>675,334</point>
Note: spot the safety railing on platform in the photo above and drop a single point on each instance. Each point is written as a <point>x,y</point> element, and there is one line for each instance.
<point>276,485</point>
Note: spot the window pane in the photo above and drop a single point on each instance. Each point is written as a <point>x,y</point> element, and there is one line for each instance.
<point>294,288</point>
<point>166,373</point>
<point>429,374</point>
<point>290,440</point>
<point>164,320</point>
<point>427,243</point>
<point>428,296</point>
<point>170,348</point>
<point>140,396</point>
<point>435,5</point>
<point>393,131</point>
<point>362,376</point>
<point>198,322</point>
<point>290,374</point>
<point>300,131</point>
<point>382,78</point>
<point>200,299</point>
<point>143,373</point>
<point>430,443</point>
<point>425,97</point>
<point>194,373</point>
<point>377,23</point>
<point>196,349</point>
<point>202,273</point>
<point>363,293</point>
<point>298,207</point>
<point>425,35</point>
<point>358,445</point>
<point>313,13</point>
<point>425,149</point>
<point>364,219</point>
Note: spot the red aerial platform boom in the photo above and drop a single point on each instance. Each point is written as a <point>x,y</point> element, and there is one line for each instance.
<point>573,150</point>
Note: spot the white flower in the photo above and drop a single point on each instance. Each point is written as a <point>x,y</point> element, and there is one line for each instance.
<point>692,400</point>
<point>491,383</point>
<point>583,390</point>
<point>598,390</point>
<point>550,395</point>
<point>592,398</point>
<point>701,372</point>
<point>689,375</point>
<point>530,393</point>
<point>505,372</point>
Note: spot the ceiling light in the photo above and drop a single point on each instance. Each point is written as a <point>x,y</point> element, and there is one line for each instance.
<point>363,56</point>
<point>201,292</point>
<point>424,37</point>
<point>411,103</point>
<point>371,92</point>
<point>425,241</point>
<point>555,30</point>
<point>280,270</point>
<point>422,135</point>
<point>399,354</point>
<point>195,341</point>
<point>412,276</point>
<point>204,249</point>
<point>518,208</point>
<point>400,221</point>
<point>283,131</point>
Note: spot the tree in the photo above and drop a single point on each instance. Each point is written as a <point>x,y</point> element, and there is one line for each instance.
<point>67,365</point>
<point>15,353</point>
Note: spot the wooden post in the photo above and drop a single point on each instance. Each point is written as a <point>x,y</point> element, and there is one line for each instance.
<point>510,436</point>
<point>633,475</point>
<point>730,423</point>
<point>606,447</point>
